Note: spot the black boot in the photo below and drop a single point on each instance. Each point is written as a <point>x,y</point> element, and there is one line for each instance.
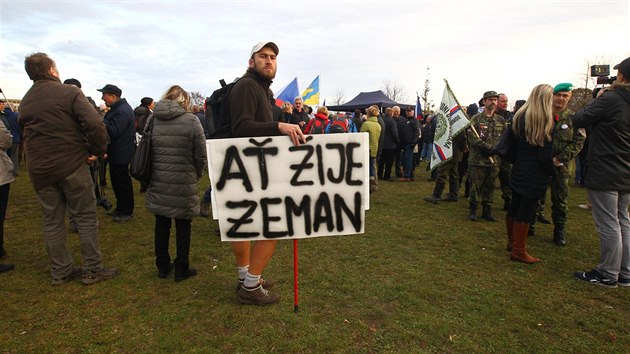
<point>542,219</point>
<point>453,189</point>
<point>437,193</point>
<point>506,204</point>
<point>558,236</point>
<point>487,213</point>
<point>532,226</point>
<point>473,212</point>
<point>6,267</point>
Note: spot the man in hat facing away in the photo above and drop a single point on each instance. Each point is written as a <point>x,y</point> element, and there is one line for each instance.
<point>119,121</point>
<point>483,169</point>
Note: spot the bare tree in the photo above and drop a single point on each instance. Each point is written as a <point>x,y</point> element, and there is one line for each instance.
<point>340,98</point>
<point>394,91</point>
<point>197,98</point>
<point>427,104</point>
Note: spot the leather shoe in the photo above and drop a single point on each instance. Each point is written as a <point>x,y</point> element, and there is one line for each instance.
<point>543,220</point>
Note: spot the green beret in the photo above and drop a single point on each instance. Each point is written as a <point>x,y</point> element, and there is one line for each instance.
<point>563,87</point>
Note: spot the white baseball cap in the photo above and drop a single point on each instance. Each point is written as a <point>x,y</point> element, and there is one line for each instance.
<point>261,45</point>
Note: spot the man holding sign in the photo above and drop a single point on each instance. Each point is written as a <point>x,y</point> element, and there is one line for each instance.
<point>250,111</point>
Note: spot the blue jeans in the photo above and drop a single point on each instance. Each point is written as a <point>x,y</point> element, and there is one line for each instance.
<point>408,158</point>
<point>372,166</point>
<point>426,151</point>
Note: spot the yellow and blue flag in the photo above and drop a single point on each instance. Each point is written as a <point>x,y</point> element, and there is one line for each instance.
<point>310,96</point>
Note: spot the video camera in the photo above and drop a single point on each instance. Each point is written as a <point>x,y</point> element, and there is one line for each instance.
<point>601,72</point>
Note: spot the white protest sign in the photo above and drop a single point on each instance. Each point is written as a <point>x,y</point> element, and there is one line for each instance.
<point>267,188</point>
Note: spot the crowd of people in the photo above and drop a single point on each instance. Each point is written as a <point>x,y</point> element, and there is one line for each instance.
<point>528,150</point>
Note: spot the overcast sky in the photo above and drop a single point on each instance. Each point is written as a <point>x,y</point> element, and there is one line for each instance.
<point>145,46</point>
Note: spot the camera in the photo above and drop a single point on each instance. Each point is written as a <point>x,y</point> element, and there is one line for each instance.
<point>102,202</point>
<point>606,80</point>
<point>601,72</point>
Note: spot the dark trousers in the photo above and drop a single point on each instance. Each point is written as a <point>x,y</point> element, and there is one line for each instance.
<point>398,159</point>
<point>4,201</point>
<point>385,164</point>
<point>182,240</point>
<point>123,188</point>
<point>522,208</point>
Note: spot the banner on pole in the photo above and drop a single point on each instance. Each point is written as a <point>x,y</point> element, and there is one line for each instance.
<point>451,119</point>
<point>266,188</point>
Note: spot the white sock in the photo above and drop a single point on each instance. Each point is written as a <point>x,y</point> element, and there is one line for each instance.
<point>242,271</point>
<point>251,281</point>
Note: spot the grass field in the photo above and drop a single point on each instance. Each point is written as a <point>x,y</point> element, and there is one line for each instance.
<point>421,279</point>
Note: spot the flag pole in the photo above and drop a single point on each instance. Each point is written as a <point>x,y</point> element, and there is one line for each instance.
<point>448,87</point>
<point>295,276</point>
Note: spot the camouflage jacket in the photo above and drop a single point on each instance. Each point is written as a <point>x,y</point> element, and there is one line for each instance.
<point>489,130</point>
<point>567,140</point>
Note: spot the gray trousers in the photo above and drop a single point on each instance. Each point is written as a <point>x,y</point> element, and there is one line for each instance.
<point>610,211</point>
<point>76,194</point>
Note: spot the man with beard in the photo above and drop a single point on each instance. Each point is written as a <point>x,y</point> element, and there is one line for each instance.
<point>251,114</point>
<point>119,121</point>
<point>483,169</point>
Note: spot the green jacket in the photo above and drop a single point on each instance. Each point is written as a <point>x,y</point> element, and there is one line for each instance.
<point>567,140</point>
<point>372,127</point>
<point>489,130</point>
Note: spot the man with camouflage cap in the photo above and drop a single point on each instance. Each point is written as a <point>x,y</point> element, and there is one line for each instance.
<point>485,130</point>
<point>567,143</point>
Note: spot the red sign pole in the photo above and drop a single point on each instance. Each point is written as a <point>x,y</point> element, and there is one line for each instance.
<point>295,276</point>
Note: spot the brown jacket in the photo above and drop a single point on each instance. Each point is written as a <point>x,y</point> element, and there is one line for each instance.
<point>250,107</point>
<point>60,129</point>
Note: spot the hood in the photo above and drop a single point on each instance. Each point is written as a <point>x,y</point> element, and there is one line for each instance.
<point>141,111</point>
<point>167,109</point>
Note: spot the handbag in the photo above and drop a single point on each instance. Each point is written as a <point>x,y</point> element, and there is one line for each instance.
<point>506,146</point>
<point>141,163</point>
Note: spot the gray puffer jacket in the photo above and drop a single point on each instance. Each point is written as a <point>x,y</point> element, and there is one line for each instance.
<point>179,158</point>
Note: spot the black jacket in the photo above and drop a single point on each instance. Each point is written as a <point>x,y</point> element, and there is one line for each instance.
<point>408,130</point>
<point>250,107</point>
<point>533,168</point>
<point>119,121</point>
<point>391,133</point>
<point>608,119</point>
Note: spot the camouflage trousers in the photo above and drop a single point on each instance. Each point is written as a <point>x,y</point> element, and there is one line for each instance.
<point>559,195</point>
<point>448,169</point>
<point>482,180</point>
<point>504,180</point>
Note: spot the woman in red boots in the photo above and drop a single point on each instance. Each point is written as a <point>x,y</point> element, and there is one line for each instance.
<point>532,169</point>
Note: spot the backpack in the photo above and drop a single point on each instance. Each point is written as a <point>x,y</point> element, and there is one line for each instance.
<point>317,127</point>
<point>337,125</point>
<point>217,111</point>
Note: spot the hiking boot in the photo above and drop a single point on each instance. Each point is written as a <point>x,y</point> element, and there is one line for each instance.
<point>94,276</point>
<point>623,281</point>
<point>121,219</point>
<point>163,273</point>
<point>6,267</point>
<point>432,199</point>
<point>75,272</point>
<point>596,278</point>
<point>190,272</point>
<point>204,209</point>
<point>256,296</point>
<point>266,284</point>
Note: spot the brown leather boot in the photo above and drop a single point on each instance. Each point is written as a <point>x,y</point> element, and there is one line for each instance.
<point>519,244</point>
<point>509,226</point>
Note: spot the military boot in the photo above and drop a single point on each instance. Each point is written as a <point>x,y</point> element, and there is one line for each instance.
<point>487,213</point>
<point>558,236</point>
<point>453,188</point>
<point>473,212</point>
<point>437,193</point>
